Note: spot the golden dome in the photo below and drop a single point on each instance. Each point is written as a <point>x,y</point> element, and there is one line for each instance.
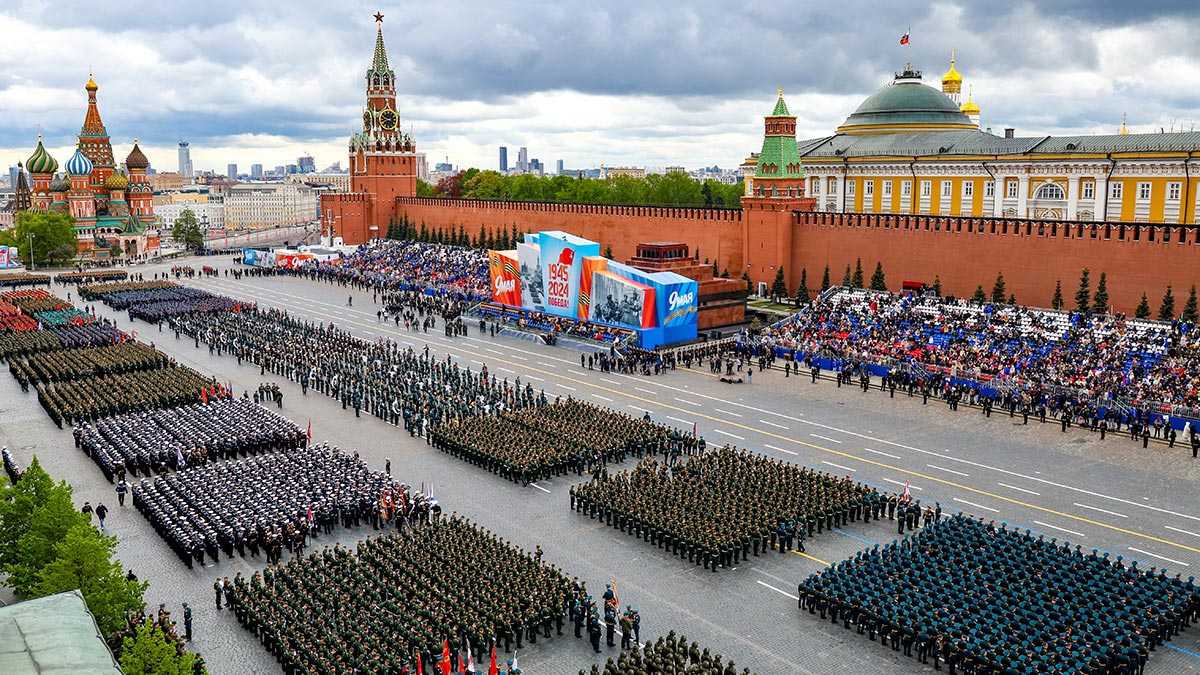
<point>91,85</point>
<point>969,108</point>
<point>1124,130</point>
<point>951,77</point>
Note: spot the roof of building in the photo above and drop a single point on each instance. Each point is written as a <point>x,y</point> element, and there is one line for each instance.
<point>974,143</point>
<point>79,164</point>
<point>133,225</point>
<point>54,635</point>
<point>136,159</point>
<point>781,109</point>
<point>906,103</point>
<point>779,157</point>
<point>41,161</point>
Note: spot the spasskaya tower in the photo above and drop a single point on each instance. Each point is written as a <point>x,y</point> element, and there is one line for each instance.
<point>383,160</point>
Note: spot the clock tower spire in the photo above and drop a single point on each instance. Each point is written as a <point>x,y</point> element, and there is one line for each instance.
<point>383,160</point>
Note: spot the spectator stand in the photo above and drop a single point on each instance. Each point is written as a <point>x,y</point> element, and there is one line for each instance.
<point>528,324</point>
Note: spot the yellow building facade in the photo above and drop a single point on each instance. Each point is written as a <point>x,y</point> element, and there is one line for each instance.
<point>912,149</point>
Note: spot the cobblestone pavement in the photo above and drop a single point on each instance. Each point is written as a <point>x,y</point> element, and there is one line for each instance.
<point>1110,495</point>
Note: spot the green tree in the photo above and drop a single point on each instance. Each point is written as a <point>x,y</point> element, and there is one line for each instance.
<point>998,289</point>
<point>1083,296</point>
<point>35,515</point>
<point>857,279</point>
<point>484,185</point>
<point>1143,308</point>
<point>1057,301</point>
<point>186,231</point>
<point>746,278</point>
<point>85,561</point>
<point>877,281</point>
<point>979,295</point>
<point>716,273</point>
<point>481,240</point>
<point>50,231</point>
<point>608,252</point>
<point>937,285</point>
<point>516,236</point>
<point>423,234</point>
<point>846,278</point>
<point>1100,298</point>
<point>825,280</point>
<point>150,652</point>
<point>425,189</point>
<point>802,295</point>
<point>779,285</point>
<point>1012,299</point>
<point>1189,308</point>
<point>1166,310</point>
<point>58,256</point>
<point>725,273</point>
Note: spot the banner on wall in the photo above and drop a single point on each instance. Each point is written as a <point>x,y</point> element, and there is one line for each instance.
<point>620,301</point>
<point>591,265</point>
<point>506,277</point>
<point>3,256</point>
<point>529,270</point>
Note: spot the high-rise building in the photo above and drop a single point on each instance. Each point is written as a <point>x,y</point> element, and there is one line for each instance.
<point>279,169</point>
<point>535,166</point>
<point>256,171</point>
<point>13,173</point>
<point>523,160</point>
<point>558,168</point>
<point>307,164</point>
<point>185,160</point>
<point>231,171</point>
<point>503,159</point>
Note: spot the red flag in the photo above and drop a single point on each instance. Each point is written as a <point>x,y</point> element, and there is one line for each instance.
<point>203,394</point>
<point>445,665</point>
<point>907,494</point>
<point>493,670</point>
<point>418,664</point>
<point>904,38</point>
<point>309,432</point>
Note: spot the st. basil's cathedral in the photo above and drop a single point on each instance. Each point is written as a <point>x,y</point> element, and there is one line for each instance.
<point>113,209</point>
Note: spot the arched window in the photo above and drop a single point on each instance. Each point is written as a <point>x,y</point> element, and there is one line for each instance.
<point>1050,191</point>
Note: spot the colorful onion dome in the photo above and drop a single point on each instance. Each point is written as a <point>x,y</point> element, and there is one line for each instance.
<point>136,159</point>
<point>91,84</point>
<point>78,165</point>
<point>117,181</point>
<point>41,161</point>
<point>60,183</point>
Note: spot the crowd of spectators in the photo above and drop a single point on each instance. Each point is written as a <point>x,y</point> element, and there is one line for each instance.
<point>528,319</point>
<point>1104,358</point>
<point>386,265</point>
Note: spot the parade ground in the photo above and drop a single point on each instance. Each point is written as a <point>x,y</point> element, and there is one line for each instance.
<point>1111,495</point>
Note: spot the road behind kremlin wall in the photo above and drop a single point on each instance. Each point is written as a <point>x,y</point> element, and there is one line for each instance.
<point>1031,254</point>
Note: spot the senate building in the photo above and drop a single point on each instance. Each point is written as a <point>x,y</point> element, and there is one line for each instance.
<point>912,149</point>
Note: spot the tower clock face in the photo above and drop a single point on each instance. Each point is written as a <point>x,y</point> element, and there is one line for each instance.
<point>367,119</point>
<point>389,120</point>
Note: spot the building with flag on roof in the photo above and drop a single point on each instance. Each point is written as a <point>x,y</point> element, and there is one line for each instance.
<point>112,205</point>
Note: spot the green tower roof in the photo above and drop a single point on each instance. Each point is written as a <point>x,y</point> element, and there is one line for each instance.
<point>133,225</point>
<point>380,64</point>
<point>780,158</point>
<point>780,107</point>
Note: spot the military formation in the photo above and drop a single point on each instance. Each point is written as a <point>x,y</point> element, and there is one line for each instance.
<point>550,440</point>
<point>153,301</point>
<point>718,508</point>
<point>150,442</point>
<point>402,386</point>
<point>401,598</point>
<point>667,656</point>
<point>75,364</point>
<point>91,276</point>
<point>266,503</point>
<point>992,599</point>
<point>52,338</point>
<point>95,397</point>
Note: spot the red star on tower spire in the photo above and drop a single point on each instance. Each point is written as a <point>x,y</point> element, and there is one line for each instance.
<point>379,17</point>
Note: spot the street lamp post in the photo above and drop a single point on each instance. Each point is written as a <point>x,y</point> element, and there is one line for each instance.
<point>32,263</point>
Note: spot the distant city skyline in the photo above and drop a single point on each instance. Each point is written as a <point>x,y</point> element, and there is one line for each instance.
<point>622,83</point>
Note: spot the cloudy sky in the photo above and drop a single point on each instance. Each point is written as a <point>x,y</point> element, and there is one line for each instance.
<point>620,82</point>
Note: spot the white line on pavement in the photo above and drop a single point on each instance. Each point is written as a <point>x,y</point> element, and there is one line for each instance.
<point>603,379</point>
<point>880,452</point>
<point>519,358</point>
<point>1155,555</point>
<point>492,351</point>
<point>534,377</point>
<point>942,468</point>
<point>914,487</point>
<point>568,388</point>
<point>1176,529</point>
<point>507,370</point>
<point>729,434</point>
<point>794,597</point>
<point>780,426</point>
<point>1096,508</point>
<point>540,488</point>
<point>602,398</point>
<point>1060,529</point>
<point>684,400</point>
<point>679,420</point>
<point>726,412</point>
<point>780,449</point>
<point>548,365</point>
<point>646,391</point>
<point>638,408</point>
<point>477,361</point>
<point>1014,487</point>
<point>844,468</point>
<point>978,506</point>
<point>825,438</point>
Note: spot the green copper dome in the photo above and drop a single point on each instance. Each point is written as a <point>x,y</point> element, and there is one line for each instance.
<point>907,105</point>
<point>41,161</point>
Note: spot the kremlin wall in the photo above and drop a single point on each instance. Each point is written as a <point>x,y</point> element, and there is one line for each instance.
<point>909,181</point>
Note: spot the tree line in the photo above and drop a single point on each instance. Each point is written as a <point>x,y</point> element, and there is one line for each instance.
<point>669,189</point>
<point>47,546</point>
